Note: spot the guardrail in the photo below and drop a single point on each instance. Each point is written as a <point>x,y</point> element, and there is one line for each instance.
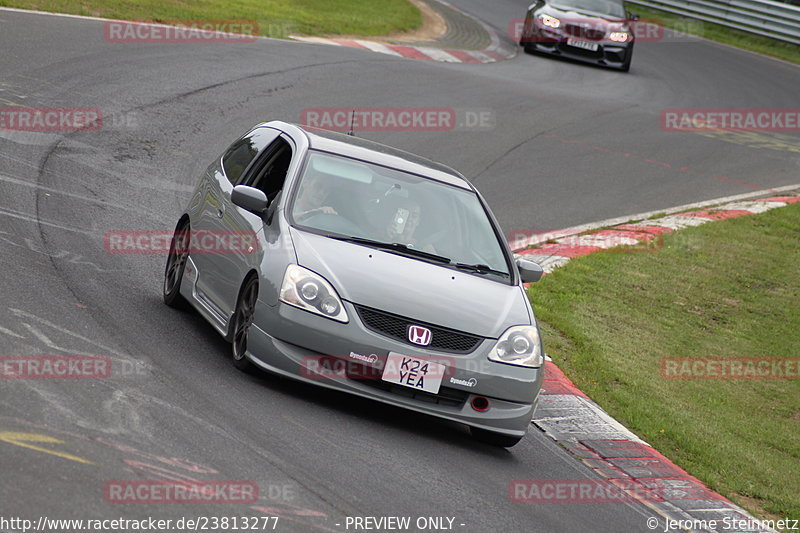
<point>762,17</point>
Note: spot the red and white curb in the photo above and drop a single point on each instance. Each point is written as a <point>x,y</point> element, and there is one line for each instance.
<point>572,419</point>
<point>495,51</point>
<point>425,53</point>
<point>581,426</point>
<point>554,249</point>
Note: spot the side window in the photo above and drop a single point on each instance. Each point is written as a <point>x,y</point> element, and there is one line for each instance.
<point>270,172</point>
<point>241,153</point>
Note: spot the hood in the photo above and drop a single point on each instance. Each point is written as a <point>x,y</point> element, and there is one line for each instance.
<point>594,20</point>
<point>411,287</point>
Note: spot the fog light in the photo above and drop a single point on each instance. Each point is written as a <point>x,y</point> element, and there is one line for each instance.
<point>480,403</point>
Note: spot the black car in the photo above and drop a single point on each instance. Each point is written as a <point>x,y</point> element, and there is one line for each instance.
<point>595,31</point>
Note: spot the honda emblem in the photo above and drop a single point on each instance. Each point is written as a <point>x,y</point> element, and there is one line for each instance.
<point>419,335</point>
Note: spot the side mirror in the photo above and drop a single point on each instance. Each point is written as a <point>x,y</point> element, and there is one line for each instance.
<point>632,16</point>
<point>529,271</point>
<point>250,198</point>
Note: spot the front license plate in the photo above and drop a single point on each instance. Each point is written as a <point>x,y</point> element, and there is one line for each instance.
<point>583,44</point>
<point>413,372</point>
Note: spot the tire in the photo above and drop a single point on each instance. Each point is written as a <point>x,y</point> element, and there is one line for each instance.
<point>524,40</point>
<point>240,324</point>
<point>176,264</point>
<point>495,439</point>
<point>525,43</point>
<point>626,66</point>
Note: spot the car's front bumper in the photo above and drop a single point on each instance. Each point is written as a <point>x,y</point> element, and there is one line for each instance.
<point>608,53</point>
<point>284,340</point>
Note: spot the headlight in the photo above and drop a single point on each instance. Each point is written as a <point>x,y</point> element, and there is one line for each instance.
<point>618,36</point>
<point>307,290</point>
<point>550,22</point>
<point>520,346</point>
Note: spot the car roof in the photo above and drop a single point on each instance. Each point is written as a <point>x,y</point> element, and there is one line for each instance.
<point>373,152</point>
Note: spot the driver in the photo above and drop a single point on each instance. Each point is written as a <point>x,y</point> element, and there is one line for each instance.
<point>314,194</point>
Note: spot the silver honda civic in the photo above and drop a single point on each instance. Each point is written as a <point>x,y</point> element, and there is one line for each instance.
<point>355,266</point>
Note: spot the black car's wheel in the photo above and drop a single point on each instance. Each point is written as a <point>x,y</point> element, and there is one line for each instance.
<point>626,66</point>
<point>495,439</point>
<point>176,264</point>
<point>242,320</point>
<point>525,42</point>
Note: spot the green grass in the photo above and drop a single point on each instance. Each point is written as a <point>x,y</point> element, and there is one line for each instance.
<point>275,18</point>
<point>722,34</point>
<point>725,289</point>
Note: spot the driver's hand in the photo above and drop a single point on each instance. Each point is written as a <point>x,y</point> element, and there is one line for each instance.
<point>328,210</point>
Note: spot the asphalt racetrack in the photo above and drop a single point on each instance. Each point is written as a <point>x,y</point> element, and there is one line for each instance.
<point>568,144</point>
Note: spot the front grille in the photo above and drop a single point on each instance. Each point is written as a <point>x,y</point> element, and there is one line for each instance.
<point>582,32</point>
<point>395,326</point>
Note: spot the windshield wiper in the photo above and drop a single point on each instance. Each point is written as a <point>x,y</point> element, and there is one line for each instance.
<point>393,247</point>
<point>480,269</point>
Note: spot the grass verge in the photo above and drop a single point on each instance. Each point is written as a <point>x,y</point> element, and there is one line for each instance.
<point>724,289</point>
<point>275,18</point>
<point>722,34</point>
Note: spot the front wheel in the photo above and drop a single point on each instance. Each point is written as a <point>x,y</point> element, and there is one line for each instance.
<point>626,66</point>
<point>495,439</point>
<point>242,320</point>
<point>176,264</point>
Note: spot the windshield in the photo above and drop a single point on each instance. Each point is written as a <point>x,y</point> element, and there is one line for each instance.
<point>345,197</point>
<point>601,7</point>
